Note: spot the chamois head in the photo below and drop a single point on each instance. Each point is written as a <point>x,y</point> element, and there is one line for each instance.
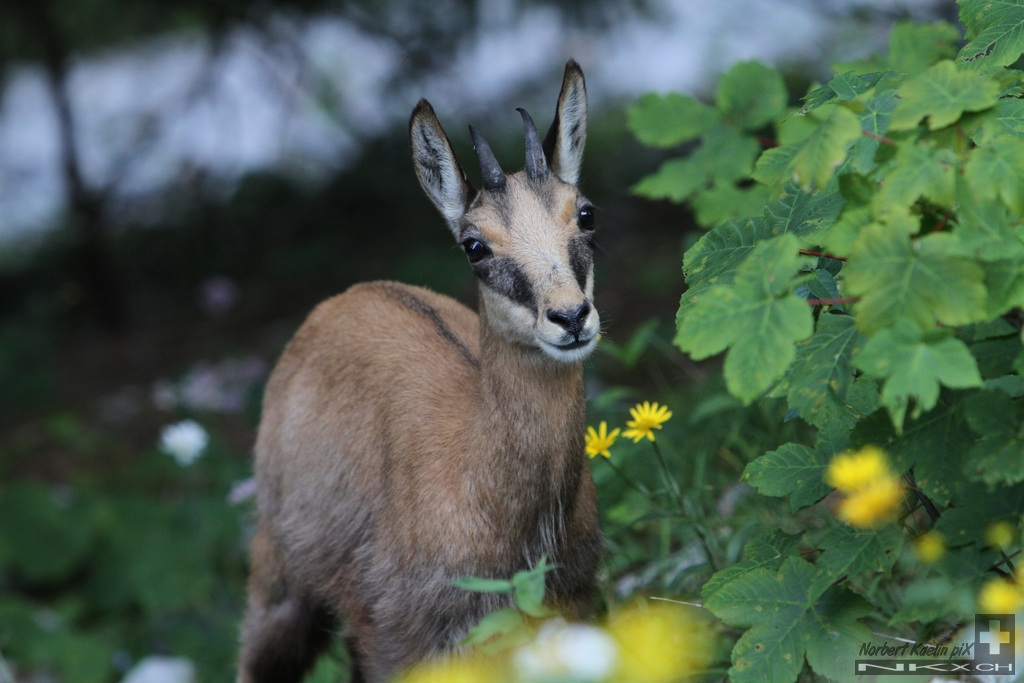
<point>527,235</point>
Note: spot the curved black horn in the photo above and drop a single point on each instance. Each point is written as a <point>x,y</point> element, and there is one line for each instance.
<point>494,177</point>
<point>536,163</point>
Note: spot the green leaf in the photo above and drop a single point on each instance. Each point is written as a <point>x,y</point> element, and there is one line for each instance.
<point>803,213</point>
<point>996,32</point>
<point>529,589</point>
<point>921,279</point>
<point>774,164</point>
<point>724,156</point>
<point>713,260</point>
<point>788,617</point>
<point>758,316</point>
<point>875,120</point>
<point>475,583</point>
<point>914,363</point>
<point>845,86</point>
<point>45,542</point>
<point>676,180</point>
<point>942,94</point>
<point>791,470</point>
<point>725,201</point>
<point>1011,116</point>
<point>998,457</point>
<point>498,624</point>
<point>996,169</point>
<point>751,95</point>
<point>980,507</point>
<point>822,372</point>
<point>915,47</point>
<point>825,149</point>
<point>933,445</point>
<point>920,170</point>
<point>767,550</point>
<point>848,552</point>
<point>841,237</point>
<point>667,120</point>
<point>1004,280</point>
<point>986,230</point>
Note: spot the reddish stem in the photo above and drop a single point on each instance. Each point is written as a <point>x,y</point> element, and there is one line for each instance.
<point>806,252</point>
<point>883,140</point>
<point>767,142</point>
<point>830,302</point>
<point>940,224</point>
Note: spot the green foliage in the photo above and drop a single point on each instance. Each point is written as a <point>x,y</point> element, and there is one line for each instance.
<point>749,96</point>
<point>903,176</point>
<point>510,626</point>
<point>758,316</point>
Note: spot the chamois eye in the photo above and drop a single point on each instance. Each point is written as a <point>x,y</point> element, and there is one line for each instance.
<point>586,218</point>
<point>475,250</point>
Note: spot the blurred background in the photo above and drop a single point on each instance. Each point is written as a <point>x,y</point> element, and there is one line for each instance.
<point>181,181</point>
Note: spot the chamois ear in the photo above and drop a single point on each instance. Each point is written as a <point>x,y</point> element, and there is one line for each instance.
<point>436,167</point>
<point>564,142</point>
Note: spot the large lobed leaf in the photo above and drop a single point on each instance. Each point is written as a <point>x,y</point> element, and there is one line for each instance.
<point>914,363</point>
<point>922,280</point>
<point>789,617</point>
<point>758,316</point>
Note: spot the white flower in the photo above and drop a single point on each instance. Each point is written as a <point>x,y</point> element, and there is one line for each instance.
<point>186,441</point>
<point>157,669</point>
<point>572,652</point>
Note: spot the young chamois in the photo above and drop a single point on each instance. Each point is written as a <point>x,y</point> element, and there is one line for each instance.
<point>407,441</point>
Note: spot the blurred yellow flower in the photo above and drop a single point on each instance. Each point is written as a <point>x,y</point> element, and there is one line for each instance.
<point>599,441</point>
<point>873,505</point>
<point>1000,596</point>
<point>873,492</point>
<point>452,670</point>
<point>647,417</point>
<point>1001,535</point>
<point>853,471</point>
<point>658,642</point>
<point>930,548</point>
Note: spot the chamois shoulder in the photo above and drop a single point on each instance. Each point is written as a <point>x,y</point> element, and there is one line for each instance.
<point>393,317</point>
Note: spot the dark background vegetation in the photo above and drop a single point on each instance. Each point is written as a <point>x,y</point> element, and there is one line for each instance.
<point>109,550</point>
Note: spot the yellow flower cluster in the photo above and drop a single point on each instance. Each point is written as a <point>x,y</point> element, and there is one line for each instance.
<point>1002,595</point>
<point>658,642</point>
<point>930,547</point>
<point>1001,535</point>
<point>873,491</point>
<point>647,417</point>
<point>642,643</point>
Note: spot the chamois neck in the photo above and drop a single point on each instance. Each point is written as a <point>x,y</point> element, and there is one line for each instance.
<point>537,398</point>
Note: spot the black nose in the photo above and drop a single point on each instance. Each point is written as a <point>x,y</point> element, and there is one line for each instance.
<point>572,321</point>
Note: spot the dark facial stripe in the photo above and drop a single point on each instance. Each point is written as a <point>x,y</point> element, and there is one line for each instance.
<point>414,303</point>
<point>505,277</point>
<point>580,258</point>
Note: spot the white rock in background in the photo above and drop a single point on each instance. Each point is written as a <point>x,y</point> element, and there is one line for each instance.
<point>157,669</point>
<point>185,440</point>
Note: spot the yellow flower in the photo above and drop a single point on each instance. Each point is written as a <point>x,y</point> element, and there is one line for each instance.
<point>658,642</point>
<point>1000,596</point>
<point>453,669</point>
<point>1001,535</point>
<point>930,548</point>
<point>853,471</point>
<point>872,505</point>
<point>599,441</point>
<point>873,492</point>
<point>647,417</point>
